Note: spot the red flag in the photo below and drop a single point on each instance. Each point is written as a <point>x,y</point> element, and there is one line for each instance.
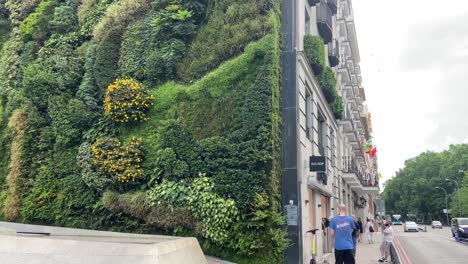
<point>373,152</point>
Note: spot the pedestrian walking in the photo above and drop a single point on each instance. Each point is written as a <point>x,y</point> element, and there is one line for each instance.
<point>341,229</point>
<point>355,235</point>
<point>370,231</point>
<point>360,229</point>
<point>387,242</point>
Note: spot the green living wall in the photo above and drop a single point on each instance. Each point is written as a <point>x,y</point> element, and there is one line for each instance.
<point>154,116</point>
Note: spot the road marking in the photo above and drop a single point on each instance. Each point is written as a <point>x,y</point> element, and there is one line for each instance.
<point>401,251</point>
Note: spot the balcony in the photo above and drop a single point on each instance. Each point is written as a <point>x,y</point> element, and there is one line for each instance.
<point>324,22</point>
<point>351,173</point>
<point>370,183</point>
<point>333,6</point>
<point>334,53</point>
<point>313,2</point>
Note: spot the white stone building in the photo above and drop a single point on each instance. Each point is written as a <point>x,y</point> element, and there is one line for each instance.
<point>310,128</point>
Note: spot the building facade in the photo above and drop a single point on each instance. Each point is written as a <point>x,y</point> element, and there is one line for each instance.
<point>311,129</point>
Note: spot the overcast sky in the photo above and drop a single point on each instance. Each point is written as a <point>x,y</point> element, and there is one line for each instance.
<point>414,63</point>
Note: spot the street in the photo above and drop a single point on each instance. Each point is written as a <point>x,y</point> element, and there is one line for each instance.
<point>433,246</point>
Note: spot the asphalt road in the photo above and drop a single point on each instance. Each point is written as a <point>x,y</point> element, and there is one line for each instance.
<point>432,247</point>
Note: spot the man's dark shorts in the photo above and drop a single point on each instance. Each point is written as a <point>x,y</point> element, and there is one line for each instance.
<point>344,256</point>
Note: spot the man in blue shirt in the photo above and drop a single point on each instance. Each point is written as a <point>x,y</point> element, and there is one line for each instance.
<point>341,236</point>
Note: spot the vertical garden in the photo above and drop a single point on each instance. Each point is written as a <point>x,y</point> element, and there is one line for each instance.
<point>154,116</point>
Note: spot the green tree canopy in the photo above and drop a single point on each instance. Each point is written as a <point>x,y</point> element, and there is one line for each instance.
<point>412,190</point>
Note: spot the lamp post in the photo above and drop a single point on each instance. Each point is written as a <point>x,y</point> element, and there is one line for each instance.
<point>446,203</point>
<point>458,191</point>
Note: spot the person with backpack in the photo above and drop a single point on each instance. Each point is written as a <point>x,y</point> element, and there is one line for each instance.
<point>370,231</point>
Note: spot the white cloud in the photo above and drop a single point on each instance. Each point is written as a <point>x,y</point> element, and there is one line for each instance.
<point>414,56</point>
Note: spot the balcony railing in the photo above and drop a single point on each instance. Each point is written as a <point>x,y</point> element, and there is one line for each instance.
<point>313,2</point>
<point>324,21</point>
<point>334,53</point>
<point>369,180</point>
<point>333,6</point>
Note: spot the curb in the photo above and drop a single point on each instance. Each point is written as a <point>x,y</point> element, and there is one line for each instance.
<point>400,253</point>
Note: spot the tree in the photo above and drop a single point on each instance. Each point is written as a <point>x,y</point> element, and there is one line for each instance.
<point>413,189</point>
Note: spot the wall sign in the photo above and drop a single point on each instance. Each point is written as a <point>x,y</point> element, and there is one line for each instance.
<point>291,214</point>
<point>317,163</point>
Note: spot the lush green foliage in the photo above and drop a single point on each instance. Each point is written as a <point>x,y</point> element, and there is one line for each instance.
<point>120,14</point>
<point>213,67</point>
<point>158,215</point>
<point>17,124</point>
<point>314,49</point>
<point>327,81</point>
<point>126,100</point>
<point>121,162</point>
<point>34,26</point>
<point>460,208</point>
<point>412,190</point>
<point>230,27</point>
<point>216,214</point>
<point>107,57</point>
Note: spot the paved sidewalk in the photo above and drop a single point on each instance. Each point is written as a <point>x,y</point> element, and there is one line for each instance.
<point>369,253</point>
<point>366,253</point>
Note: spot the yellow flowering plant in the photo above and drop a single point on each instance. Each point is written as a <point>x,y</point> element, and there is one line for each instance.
<point>127,100</point>
<point>120,161</point>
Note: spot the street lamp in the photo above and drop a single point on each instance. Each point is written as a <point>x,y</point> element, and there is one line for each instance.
<point>458,190</point>
<point>446,203</point>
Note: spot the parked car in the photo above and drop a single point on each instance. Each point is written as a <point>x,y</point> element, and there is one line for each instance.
<point>397,222</point>
<point>436,224</point>
<point>410,226</point>
<point>460,227</point>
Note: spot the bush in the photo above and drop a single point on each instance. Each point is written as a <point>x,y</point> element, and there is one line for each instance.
<point>91,176</point>
<point>65,20</point>
<point>259,232</point>
<point>126,100</point>
<point>69,118</point>
<point>88,90</point>
<point>168,166</point>
<point>121,162</point>
<point>5,29</point>
<point>314,48</point>
<point>327,81</point>
<point>216,214</point>
<point>35,25</point>
<point>120,14</point>
<point>89,14</point>
<point>107,58</point>
<point>230,27</point>
<point>17,123</point>
<point>134,46</point>
<point>39,83</point>
<point>338,107</point>
<point>160,216</point>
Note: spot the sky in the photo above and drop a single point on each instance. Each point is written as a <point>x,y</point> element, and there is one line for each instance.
<point>414,64</point>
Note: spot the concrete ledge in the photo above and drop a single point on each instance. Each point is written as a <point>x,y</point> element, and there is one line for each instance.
<point>67,245</point>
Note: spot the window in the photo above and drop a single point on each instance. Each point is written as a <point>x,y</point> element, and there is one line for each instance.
<point>308,112</point>
<point>307,23</point>
<point>332,140</point>
<point>321,133</point>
